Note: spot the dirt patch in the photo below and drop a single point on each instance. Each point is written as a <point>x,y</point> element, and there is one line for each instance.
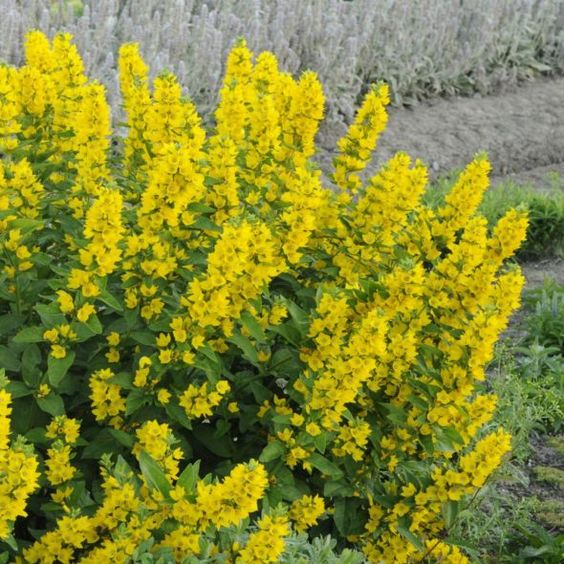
<point>536,272</point>
<point>550,494</point>
<point>521,129</point>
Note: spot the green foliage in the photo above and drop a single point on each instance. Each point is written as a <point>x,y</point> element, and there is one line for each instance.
<point>528,383</point>
<point>299,550</point>
<point>545,319</point>
<point>550,474</point>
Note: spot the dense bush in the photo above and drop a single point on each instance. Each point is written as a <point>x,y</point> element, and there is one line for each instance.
<point>195,311</point>
<point>422,49</point>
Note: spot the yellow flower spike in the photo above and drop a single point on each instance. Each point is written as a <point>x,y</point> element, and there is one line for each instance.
<point>355,148</point>
<point>267,544</point>
<point>305,512</point>
<point>85,312</point>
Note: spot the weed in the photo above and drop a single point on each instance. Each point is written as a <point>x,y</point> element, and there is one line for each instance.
<point>557,443</point>
<point>551,513</point>
<point>545,323</point>
<point>549,474</point>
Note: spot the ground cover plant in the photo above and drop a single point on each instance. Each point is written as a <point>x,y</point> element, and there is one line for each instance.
<point>422,49</point>
<point>207,352</point>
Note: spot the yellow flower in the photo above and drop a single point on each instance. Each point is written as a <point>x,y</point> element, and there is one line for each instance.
<point>51,335</point>
<point>306,511</point>
<point>113,339</point>
<point>65,300</point>
<point>313,429</point>
<point>85,312</point>
<point>163,396</point>
<point>113,355</point>
<point>58,351</point>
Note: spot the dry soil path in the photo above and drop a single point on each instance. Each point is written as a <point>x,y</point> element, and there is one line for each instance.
<point>521,129</point>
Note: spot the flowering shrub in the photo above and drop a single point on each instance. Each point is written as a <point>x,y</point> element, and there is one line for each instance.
<point>196,311</point>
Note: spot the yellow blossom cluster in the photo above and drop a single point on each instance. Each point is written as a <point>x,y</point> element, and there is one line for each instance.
<point>157,440</point>
<point>19,475</point>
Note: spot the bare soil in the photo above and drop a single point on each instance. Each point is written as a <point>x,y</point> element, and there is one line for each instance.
<point>521,129</point>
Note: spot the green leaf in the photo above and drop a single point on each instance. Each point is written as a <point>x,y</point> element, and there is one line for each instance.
<point>9,322</point>
<point>26,224</point>
<point>206,224</point>
<point>31,357</point>
<point>260,392</point>
<point>285,362</point>
<point>135,400</point>
<point>18,390</point>
<point>253,327</point>
<point>395,414</point>
<point>94,325</point>
<point>413,539</point>
<point>52,404</point>
<point>143,337</point>
<point>9,359</point>
<point>103,443</point>
<point>337,489</point>
<point>154,475</point>
<point>325,466</point>
<point>50,314</point>
<point>177,413</point>
<point>58,367</point>
<point>249,351</point>
<point>110,300</point>
<point>122,437</point>
<point>189,477</point>
<point>348,516</point>
<point>289,332</point>
<point>320,442</point>
<point>272,451</point>
<point>221,446</point>
<point>123,380</point>
<point>299,316</point>
<point>200,208</point>
<point>450,511</point>
<point>37,436</point>
<point>32,334</point>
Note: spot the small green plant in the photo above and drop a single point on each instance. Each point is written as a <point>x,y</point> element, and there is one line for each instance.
<point>488,529</point>
<point>528,382</point>
<point>299,550</point>
<point>550,474</point>
<point>557,443</point>
<point>540,546</point>
<point>545,324</point>
<point>551,513</point>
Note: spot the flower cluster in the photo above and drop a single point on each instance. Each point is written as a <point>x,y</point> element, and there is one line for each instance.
<point>196,296</point>
<point>19,475</point>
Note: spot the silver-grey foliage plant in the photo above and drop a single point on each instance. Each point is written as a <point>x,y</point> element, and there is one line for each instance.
<point>421,48</point>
